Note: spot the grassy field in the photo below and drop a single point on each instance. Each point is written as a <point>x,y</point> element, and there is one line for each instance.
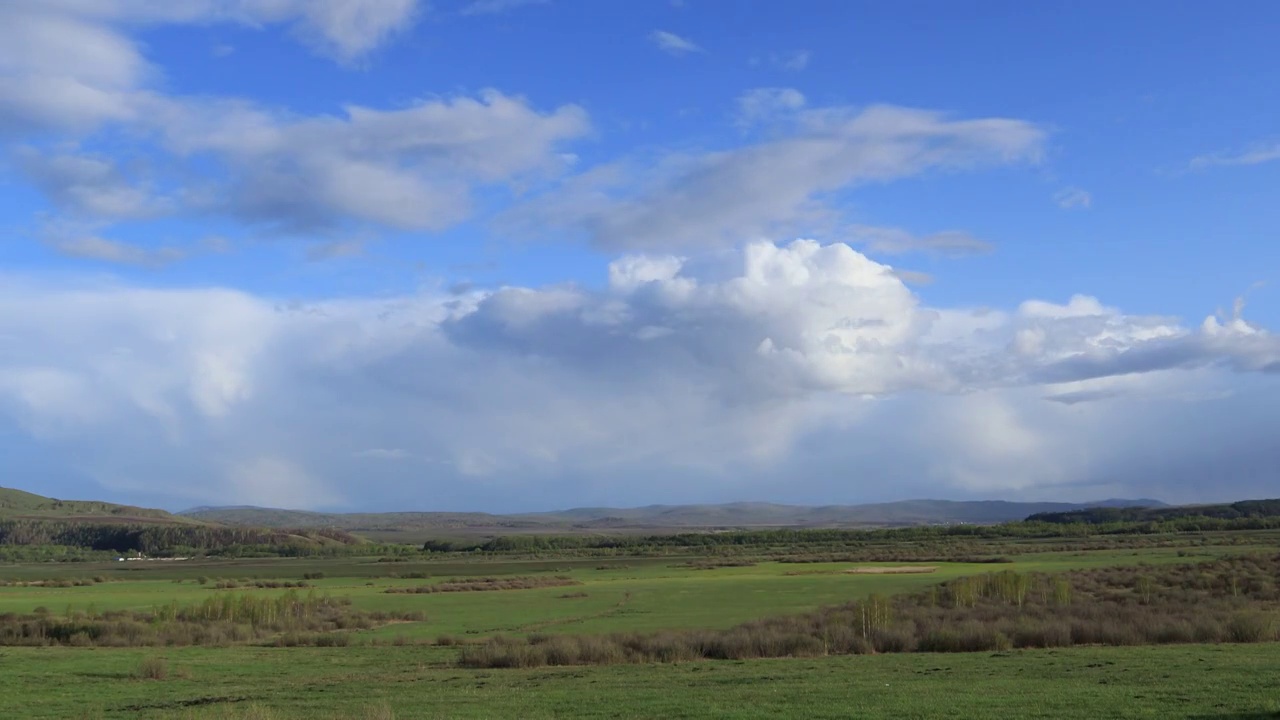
<point>633,594</point>
<point>398,670</point>
<point>1225,682</point>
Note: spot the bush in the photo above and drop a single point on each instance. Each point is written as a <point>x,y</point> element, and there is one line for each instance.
<point>1248,627</point>
<point>1230,599</point>
<point>152,668</point>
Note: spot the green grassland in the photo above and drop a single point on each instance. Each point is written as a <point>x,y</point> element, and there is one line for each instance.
<point>398,669</point>
<point>625,595</point>
<point>1226,682</point>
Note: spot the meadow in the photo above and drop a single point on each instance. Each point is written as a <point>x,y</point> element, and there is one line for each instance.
<point>395,649</point>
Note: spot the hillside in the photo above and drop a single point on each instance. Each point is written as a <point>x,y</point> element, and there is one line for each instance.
<point>1224,511</point>
<point>657,517</point>
<point>21,505</point>
<point>30,520</point>
<point>277,518</point>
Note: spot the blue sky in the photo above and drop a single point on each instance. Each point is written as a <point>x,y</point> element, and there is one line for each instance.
<point>505,255</point>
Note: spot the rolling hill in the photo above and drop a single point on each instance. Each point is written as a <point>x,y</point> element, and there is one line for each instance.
<point>27,519</point>
<point>21,505</point>
<point>660,517</point>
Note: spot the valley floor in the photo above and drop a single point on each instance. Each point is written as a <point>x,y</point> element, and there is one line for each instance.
<point>1225,682</point>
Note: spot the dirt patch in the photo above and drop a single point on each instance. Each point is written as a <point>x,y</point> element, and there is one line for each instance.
<point>899,570</point>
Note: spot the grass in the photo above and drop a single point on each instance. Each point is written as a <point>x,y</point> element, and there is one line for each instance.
<point>632,595</point>
<point>409,674</point>
<point>1222,681</point>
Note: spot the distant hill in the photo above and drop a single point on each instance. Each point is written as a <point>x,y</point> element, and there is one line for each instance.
<point>27,519</point>
<point>658,517</point>
<point>1225,511</point>
<point>20,505</point>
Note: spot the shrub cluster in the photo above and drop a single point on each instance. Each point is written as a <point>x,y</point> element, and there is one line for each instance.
<point>713,563</point>
<point>489,583</point>
<point>58,583</point>
<point>261,584</point>
<point>1228,600</point>
<point>220,620</point>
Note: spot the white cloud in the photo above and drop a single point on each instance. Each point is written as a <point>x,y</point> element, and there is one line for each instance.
<point>89,185</point>
<point>70,67</point>
<point>494,7</point>
<point>62,71</point>
<point>670,384</point>
<point>773,186</point>
<point>411,168</point>
<point>762,105</point>
<point>795,60</point>
<point>1256,155</point>
<point>69,64</point>
<point>673,44</point>
<point>94,247</point>
<point>1073,197</point>
<point>345,29</point>
<point>335,249</point>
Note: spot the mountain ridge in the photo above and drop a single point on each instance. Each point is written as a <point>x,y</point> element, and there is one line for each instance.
<point>736,514</point>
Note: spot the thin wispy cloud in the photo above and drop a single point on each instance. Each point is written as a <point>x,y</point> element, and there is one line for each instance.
<point>93,247</point>
<point>895,241</point>
<point>1257,155</point>
<point>764,104</point>
<point>495,7</point>
<point>796,60</point>
<point>772,186</point>
<point>673,44</point>
<point>1073,198</point>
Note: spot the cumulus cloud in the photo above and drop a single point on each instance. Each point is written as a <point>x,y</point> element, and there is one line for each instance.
<point>772,186</point>
<point>344,29</point>
<point>70,64</point>
<point>672,44</point>
<point>71,67</point>
<point>61,70</point>
<point>803,372</point>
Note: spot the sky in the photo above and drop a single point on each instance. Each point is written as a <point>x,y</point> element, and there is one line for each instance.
<point>514,255</point>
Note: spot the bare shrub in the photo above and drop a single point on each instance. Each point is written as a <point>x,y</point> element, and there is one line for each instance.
<point>488,584</point>
<point>152,668</point>
<point>1225,600</point>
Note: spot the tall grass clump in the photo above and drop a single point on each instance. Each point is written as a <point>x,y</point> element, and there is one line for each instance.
<point>152,668</point>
